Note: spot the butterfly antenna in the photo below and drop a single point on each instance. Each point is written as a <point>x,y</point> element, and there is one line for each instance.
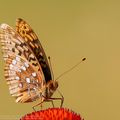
<point>70,69</point>
<point>51,67</point>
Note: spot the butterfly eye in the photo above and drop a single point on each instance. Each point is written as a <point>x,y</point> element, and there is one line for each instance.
<point>51,86</point>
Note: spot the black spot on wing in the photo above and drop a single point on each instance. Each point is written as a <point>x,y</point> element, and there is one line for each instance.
<point>20,53</point>
<point>45,68</point>
<point>35,64</point>
<point>23,44</point>
<point>30,58</point>
<point>13,49</point>
<point>41,59</point>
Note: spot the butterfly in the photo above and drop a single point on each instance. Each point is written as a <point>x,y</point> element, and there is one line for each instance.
<point>27,70</point>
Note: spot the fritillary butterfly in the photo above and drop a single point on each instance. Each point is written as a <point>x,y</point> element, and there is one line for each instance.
<point>26,70</point>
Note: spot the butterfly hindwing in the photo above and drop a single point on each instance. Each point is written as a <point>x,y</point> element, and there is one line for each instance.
<point>23,72</point>
<point>24,82</point>
<point>33,42</point>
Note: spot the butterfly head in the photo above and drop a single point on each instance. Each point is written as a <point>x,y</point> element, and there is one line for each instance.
<point>51,87</point>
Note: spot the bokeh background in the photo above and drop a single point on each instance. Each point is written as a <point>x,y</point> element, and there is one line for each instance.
<point>70,30</point>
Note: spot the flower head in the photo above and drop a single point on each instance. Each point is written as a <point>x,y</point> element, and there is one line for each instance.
<point>53,114</point>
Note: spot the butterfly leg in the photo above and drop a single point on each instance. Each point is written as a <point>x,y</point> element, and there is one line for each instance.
<point>37,105</point>
<point>61,99</point>
<point>45,100</point>
<point>49,100</point>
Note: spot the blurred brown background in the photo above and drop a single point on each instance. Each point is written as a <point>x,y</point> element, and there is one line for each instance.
<point>70,30</point>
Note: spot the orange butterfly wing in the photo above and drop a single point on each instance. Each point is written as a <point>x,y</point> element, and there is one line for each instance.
<point>23,72</point>
<point>33,42</point>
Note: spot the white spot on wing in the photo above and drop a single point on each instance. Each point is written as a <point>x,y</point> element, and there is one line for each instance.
<point>17,58</point>
<point>11,66</point>
<point>4,26</point>
<point>23,68</point>
<point>17,78</point>
<point>28,80</point>
<point>34,74</point>
<point>41,53</point>
<point>14,62</point>
<point>19,70</point>
<point>20,85</point>
<point>26,64</point>
<point>35,89</point>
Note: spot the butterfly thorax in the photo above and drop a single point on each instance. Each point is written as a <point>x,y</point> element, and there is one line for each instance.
<point>51,87</point>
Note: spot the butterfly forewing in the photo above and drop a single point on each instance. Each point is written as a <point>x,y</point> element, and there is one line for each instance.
<point>32,40</point>
<point>22,70</point>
